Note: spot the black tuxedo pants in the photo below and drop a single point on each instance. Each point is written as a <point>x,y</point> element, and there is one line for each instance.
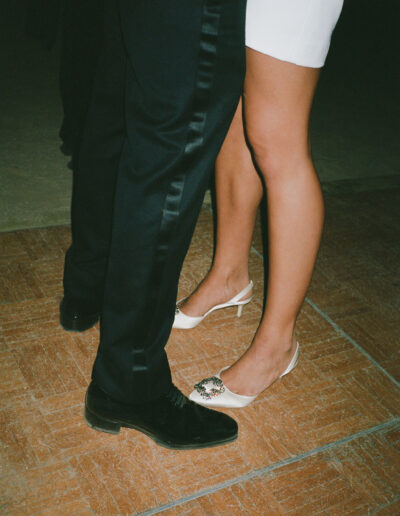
<point>82,33</point>
<point>167,86</point>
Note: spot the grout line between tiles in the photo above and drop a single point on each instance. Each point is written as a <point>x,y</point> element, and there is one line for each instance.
<point>342,332</point>
<point>272,467</point>
<point>352,341</point>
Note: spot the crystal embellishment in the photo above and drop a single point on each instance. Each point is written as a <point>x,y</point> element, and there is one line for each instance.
<point>210,387</point>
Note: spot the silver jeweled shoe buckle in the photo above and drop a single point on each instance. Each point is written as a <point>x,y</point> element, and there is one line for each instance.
<point>210,387</point>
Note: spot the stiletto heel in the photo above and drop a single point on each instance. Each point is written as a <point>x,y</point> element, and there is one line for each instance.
<point>211,392</point>
<point>186,322</point>
<point>100,423</point>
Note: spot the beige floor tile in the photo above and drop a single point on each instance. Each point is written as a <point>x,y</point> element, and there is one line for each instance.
<point>53,462</point>
<point>359,477</point>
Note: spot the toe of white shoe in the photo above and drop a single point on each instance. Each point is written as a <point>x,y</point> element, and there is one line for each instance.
<point>226,399</point>
<point>185,322</point>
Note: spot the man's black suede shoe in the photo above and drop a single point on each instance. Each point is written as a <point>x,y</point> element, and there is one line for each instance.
<point>73,318</point>
<point>172,421</point>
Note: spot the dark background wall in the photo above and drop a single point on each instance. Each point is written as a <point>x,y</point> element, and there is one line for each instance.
<point>355,124</point>
<point>355,119</point>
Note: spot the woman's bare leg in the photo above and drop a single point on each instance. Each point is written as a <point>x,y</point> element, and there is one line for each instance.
<point>239,192</point>
<point>278,97</point>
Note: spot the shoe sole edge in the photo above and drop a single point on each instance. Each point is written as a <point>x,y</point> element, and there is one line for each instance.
<point>109,426</point>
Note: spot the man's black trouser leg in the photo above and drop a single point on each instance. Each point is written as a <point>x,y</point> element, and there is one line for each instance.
<point>96,172</point>
<point>81,42</point>
<point>183,77</point>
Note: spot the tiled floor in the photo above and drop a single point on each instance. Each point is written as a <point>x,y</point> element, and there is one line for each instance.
<point>324,440</point>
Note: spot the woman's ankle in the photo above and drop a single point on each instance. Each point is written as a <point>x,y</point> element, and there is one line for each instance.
<point>275,340</point>
<point>236,276</point>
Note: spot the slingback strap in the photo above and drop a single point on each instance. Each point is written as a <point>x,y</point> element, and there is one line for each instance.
<point>242,293</point>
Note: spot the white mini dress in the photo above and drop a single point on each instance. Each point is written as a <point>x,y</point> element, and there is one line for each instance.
<point>297,31</point>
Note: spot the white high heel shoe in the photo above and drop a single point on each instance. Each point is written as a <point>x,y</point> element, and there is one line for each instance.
<point>186,322</point>
<point>211,392</point>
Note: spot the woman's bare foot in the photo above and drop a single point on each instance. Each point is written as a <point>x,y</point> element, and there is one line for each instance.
<point>213,290</point>
<point>262,364</point>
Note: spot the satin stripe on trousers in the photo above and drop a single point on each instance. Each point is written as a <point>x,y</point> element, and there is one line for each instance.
<point>183,74</point>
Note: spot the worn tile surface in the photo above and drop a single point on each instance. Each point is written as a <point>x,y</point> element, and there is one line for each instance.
<point>324,440</point>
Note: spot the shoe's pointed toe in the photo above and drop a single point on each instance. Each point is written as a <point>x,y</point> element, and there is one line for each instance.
<point>185,322</point>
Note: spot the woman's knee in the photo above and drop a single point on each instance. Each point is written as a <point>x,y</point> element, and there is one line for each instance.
<point>278,149</point>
